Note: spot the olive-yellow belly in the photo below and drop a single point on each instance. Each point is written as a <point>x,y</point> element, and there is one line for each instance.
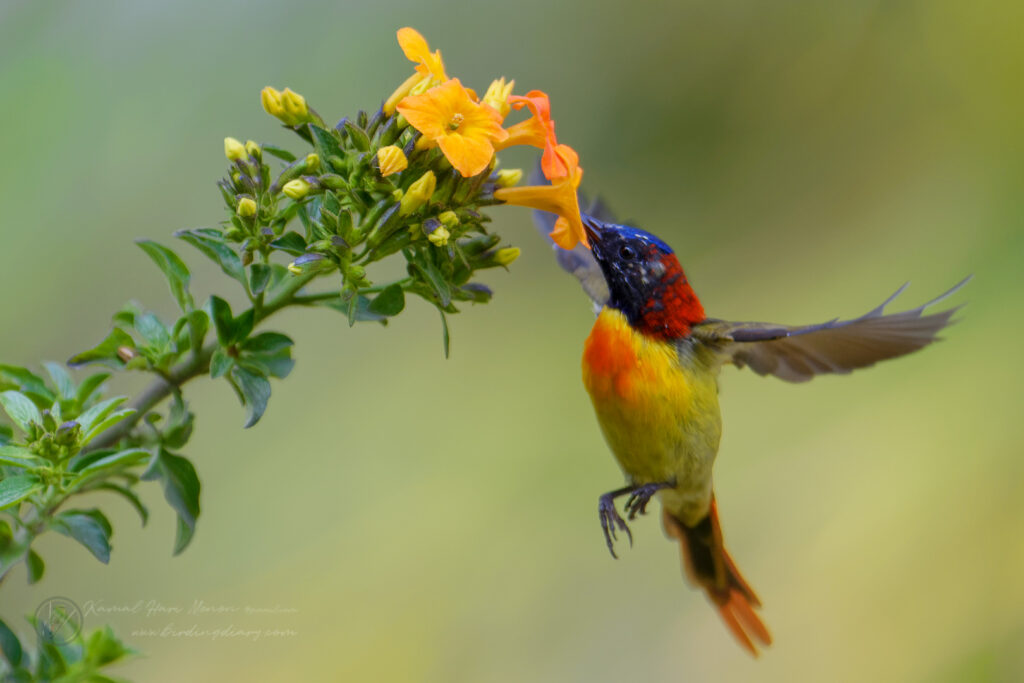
<point>658,411</point>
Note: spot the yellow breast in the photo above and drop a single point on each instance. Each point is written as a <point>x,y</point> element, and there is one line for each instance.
<point>658,413</point>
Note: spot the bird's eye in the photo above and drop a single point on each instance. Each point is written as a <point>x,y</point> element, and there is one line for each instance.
<point>627,253</point>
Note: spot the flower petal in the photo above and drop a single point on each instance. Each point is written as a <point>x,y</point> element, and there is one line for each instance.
<point>469,155</point>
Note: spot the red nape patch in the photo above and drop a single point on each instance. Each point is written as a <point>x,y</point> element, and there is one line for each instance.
<point>674,307</point>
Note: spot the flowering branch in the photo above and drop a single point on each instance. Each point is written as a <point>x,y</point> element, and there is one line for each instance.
<point>416,179</point>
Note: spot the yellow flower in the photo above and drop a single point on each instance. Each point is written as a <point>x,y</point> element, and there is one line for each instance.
<point>449,219</point>
<point>440,236</point>
<point>289,107</point>
<point>464,130</point>
<point>503,257</point>
<point>253,148</point>
<point>296,189</point>
<point>559,198</point>
<point>391,159</point>
<point>234,150</point>
<point>418,194</point>
<point>509,177</point>
<point>416,49</point>
<point>497,96</point>
<point>246,207</point>
<point>429,67</point>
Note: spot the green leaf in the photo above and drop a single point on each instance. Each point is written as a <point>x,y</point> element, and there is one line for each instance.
<point>223,320</point>
<point>106,351</point>
<point>88,527</point>
<point>14,377</point>
<point>116,460</point>
<point>89,385</point>
<point>279,152</point>
<point>268,353</point>
<point>198,324</point>
<point>154,332</point>
<point>277,364</point>
<point>6,435</point>
<point>104,648</point>
<point>358,136</point>
<point>220,363</point>
<point>325,143</point>
<point>389,302</point>
<point>61,379</point>
<point>17,456</point>
<point>259,277</point>
<point>106,423</point>
<point>83,460</point>
<point>445,337</point>
<point>211,243</point>
<point>267,342</point>
<point>20,409</point>
<point>128,495</point>
<point>436,282</point>
<point>230,330</point>
<point>10,646</point>
<point>98,412</point>
<point>291,243</point>
<point>181,489</point>
<point>174,270</point>
<point>253,391</point>
<point>35,566</point>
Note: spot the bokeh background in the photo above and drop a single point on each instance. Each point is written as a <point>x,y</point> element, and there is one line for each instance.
<point>409,518</point>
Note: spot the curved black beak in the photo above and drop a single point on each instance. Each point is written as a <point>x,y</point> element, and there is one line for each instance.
<point>594,228</point>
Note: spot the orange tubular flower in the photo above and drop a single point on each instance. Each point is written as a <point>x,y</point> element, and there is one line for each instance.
<point>559,198</point>
<point>463,129</point>
<point>538,130</point>
<point>429,66</point>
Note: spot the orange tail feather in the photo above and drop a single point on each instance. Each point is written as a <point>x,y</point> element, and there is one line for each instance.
<point>708,565</point>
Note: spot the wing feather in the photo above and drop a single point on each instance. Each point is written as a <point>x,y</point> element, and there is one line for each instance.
<point>798,353</point>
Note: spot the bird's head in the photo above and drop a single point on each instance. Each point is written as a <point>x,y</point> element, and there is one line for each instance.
<point>645,281</point>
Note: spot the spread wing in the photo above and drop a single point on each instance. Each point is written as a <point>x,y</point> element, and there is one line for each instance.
<point>796,354</point>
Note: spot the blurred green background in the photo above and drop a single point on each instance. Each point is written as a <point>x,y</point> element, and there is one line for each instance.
<point>422,519</point>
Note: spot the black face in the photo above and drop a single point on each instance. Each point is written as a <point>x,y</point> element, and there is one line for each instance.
<point>632,263</point>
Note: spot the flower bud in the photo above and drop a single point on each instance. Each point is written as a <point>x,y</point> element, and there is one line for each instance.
<point>508,177</point>
<point>294,269</point>
<point>246,207</point>
<point>271,100</point>
<point>497,96</point>
<point>312,162</point>
<point>419,193</point>
<point>253,148</point>
<point>504,257</point>
<point>296,189</point>
<point>234,150</point>
<point>439,237</point>
<point>449,219</point>
<point>289,107</point>
<point>391,159</point>
<point>295,106</point>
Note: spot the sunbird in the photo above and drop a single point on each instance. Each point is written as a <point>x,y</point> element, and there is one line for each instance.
<point>651,366</point>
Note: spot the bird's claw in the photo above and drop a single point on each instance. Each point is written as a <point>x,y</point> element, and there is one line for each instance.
<point>638,499</point>
<point>610,519</point>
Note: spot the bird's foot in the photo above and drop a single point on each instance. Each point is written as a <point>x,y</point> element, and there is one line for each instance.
<point>639,497</point>
<point>610,519</point>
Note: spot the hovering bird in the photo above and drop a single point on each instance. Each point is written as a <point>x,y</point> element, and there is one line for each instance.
<point>651,366</point>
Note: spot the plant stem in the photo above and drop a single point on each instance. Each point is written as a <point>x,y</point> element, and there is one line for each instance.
<point>195,365</point>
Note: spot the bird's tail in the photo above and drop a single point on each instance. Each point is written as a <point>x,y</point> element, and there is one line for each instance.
<point>709,566</point>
